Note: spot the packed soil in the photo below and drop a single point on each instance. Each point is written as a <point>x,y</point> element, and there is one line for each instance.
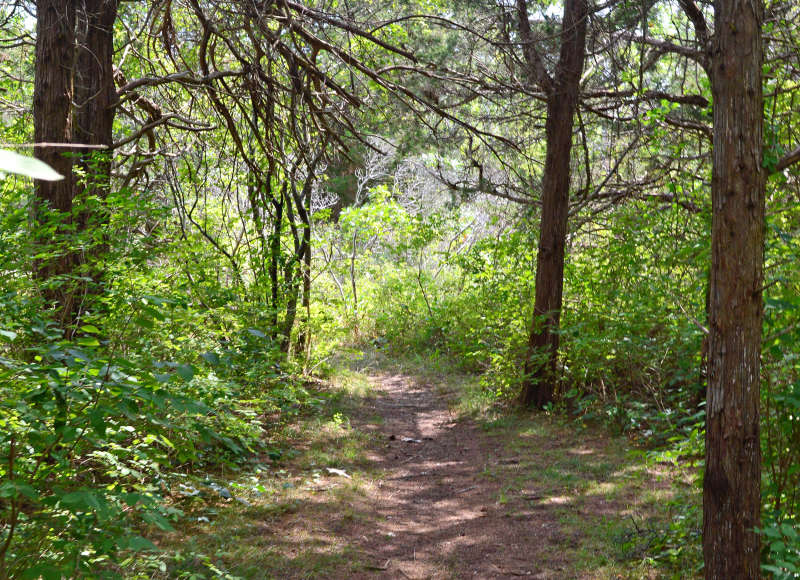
<point>438,512</point>
<point>391,482</point>
<point>443,497</point>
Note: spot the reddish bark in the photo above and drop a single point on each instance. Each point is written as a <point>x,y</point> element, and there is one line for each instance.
<point>95,100</point>
<point>95,95</point>
<point>74,100</point>
<point>731,488</point>
<point>52,113</point>
<point>540,375</point>
<point>52,100</point>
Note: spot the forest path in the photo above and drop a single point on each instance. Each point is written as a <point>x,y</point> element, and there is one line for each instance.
<point>436,505</point>
<point>389,481</point>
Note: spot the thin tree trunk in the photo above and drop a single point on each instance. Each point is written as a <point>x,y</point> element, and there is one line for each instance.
<point>292,272</point>
<point>540,375</point>
<point>304,336</point>
<point>52,120</point>
<point>732,484</point>
<point>274,261</point>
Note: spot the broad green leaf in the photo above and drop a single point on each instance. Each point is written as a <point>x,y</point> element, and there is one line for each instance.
<point>97,418</point>
<point>11,162</point>
<point>16,488</point>
<point>138,544</point>
<point>186,372</point>
<point>157,520</point>
<point>84,500</point>
<point>87,341</point>
<point>789,531</point>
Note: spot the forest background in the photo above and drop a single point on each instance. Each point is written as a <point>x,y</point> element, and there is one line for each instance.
<point>525,190</point>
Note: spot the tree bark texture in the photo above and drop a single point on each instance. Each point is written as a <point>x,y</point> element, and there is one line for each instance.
<point>74,100</point>
<point>95,100</point>
<point>540,374</point>
<point>95,95</point>
<point>274,261</point>
<point>52,120</point>
<point>731,488</point>
<point>52,100</point>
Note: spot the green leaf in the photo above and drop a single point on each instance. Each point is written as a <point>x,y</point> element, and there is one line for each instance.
<point>84,500</point>
<point>44,571</point>
<point>138,544</point>
<point>9,334</point>
<point>777,546</point>
<point>188,405</point>
<point>186,372</point>
<point>16,488</point>
<point>789,531</point>
<point>90,329</point>
<point>770,532</point>
<point>87,341</point>
<point>211,357</point>
<point>11,162</point>
<point>144,321</point>
<point>97,418</point>
<point>157,520</point>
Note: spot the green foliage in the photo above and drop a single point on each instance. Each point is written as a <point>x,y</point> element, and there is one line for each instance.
<point>171,341</point>
<point>85,434</point>
<point>101,418</point>
<point>782,549</point>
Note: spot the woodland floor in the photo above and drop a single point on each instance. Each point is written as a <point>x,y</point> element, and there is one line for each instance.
<point>396,481</point>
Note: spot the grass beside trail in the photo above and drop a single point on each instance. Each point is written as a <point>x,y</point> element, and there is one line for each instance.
<point>621,513</point>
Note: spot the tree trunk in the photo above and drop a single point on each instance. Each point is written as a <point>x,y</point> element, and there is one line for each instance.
<point>72,67</point>
<point>292,272</point>
<point>95,99</point>
<point>95,96</point>
<point>274,262</point>
<point>731,488</point>
<point>52,120</point>
<point>540,375</point>
<point>304,336</point>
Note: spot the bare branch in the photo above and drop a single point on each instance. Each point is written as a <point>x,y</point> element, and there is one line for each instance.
<point>788,160</point>
<point>536,69</point>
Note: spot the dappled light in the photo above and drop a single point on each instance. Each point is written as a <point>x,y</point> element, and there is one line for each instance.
<point>417,289</point>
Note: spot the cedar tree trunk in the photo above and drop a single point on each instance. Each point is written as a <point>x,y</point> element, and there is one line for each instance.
<point>731,488</point>
<point>540,375</point>
<point>95,95</point>
<point>95,99</point>
<point>52,121</point>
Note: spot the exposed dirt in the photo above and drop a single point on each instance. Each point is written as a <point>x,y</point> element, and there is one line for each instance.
<point>439,496</point>
<point>437,512</point>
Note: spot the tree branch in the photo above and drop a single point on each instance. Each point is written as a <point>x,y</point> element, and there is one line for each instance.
<point>787,160</point>
<point>536,68</point>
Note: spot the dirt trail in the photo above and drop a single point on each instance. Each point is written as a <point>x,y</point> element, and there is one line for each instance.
<point>395,485</point>
<point>437,511</point>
